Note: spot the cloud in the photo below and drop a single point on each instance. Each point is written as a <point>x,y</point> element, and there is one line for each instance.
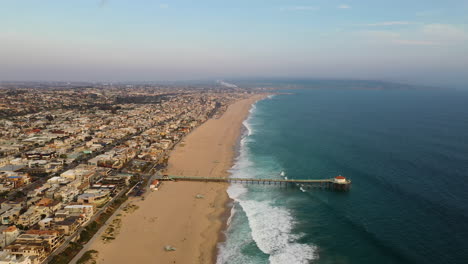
<point>102,3</point>
<point>414,42</point>
<point>385,36</point>
<point>226,84</point>
<point>422,34</point>
<point>428,13</point>
<point>445,32</point>
<point>344,6</point>
<point>300,8</point>
<point>382,34</point>
<point>163,6</point>
<point>389,23</point>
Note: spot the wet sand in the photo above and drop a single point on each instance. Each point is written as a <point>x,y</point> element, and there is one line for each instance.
<point>173,215</point>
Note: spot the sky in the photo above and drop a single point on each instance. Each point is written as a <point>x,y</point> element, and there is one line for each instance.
<point>412,41</point>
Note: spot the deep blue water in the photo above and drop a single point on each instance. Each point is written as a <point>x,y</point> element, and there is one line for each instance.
<point>406,153</point>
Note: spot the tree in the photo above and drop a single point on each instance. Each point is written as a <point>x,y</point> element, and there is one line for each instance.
<point>19,194</point>
<point>21,227</point>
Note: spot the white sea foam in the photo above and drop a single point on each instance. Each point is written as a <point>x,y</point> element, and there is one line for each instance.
<point>236,190</point>
<point>230,249</point>
<point>252,110</point>
<point>249,130</point>
<point>233,212</point>
<point>271,225</point>
<point>247,124</point>
<point>271,230</point>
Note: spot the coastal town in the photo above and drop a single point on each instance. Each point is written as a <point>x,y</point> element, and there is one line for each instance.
<point>71,154</point>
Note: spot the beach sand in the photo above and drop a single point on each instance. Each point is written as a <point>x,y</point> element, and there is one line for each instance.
<point>173,215</point>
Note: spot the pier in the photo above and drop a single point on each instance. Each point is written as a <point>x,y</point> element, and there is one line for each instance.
<point>338,183</point>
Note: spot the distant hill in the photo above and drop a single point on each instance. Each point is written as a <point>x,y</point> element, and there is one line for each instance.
<point>320,84</point>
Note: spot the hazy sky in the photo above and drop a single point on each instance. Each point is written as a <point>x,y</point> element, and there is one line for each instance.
<point>416,41</point>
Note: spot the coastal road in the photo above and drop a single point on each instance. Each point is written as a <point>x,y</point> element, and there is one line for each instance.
<point>98,234</point>
<point>78,231</point>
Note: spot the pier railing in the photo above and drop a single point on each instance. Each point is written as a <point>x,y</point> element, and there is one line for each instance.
<point>331,184</point>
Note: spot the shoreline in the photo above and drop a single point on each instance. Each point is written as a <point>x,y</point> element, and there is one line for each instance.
<point>224,220</point>
<point>173,215</point>
<point>229,204</point>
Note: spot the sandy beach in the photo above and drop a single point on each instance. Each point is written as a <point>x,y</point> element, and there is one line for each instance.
<point>173,215</point>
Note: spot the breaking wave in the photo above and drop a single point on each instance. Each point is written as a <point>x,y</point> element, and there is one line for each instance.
<point>269,226</point>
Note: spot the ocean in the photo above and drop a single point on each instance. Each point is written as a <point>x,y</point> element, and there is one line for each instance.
<point>406,152</point>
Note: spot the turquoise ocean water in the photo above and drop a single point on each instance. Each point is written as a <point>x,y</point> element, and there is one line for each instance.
<point>406,152</point>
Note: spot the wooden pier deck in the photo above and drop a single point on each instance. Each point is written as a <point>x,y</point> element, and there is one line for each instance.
<point>320,183</point>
